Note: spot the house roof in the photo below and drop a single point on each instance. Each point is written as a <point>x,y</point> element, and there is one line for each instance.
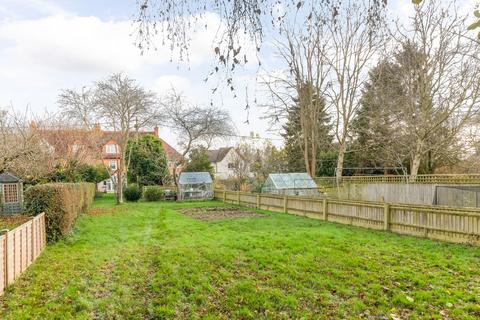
<point>8,178</point>
<point>195,178</point>
<point>218,155</point>
<point>62,138</point>
<point>299,180</point>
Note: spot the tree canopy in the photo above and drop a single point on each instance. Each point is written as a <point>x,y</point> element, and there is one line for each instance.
<point>148,162</point>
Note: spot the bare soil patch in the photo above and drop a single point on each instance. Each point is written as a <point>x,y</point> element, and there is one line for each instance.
<point>220,213</point>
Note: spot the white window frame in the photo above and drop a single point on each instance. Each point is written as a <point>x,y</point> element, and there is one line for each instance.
<point>110,162</point>
<point>111,149</point>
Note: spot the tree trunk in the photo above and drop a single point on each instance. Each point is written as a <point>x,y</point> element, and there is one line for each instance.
<point>120,183</point>
<point>341,158</point>
<point>415,165</point>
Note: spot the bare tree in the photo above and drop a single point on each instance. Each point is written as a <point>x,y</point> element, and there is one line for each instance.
<point>120,103</point>
<point>328,61</point>
<point>22,149</point>
<point>355,45</point>
<point>441,79</point>
<point>77,105</point>
<point>177,20</point>
<point>194,124</point>
<point>304,86</point>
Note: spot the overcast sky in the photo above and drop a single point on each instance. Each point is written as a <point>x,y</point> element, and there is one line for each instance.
<point>47,45</point>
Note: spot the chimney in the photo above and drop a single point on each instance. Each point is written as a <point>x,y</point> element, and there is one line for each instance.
<point>155,132</point>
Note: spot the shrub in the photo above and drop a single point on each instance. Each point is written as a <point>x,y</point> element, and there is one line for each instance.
<point>132,192</point>
<point>62,204</point>
<point>153,193</point>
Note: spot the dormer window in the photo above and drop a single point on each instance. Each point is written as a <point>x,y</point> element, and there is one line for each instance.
<point>111,148</point>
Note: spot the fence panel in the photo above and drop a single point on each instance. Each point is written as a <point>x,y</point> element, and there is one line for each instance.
<point>460,225</point>
<point>19,248</point>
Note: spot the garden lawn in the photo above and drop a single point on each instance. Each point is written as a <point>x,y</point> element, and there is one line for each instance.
<point>147,261</point>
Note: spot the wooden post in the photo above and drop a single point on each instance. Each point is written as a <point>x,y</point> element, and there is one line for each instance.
<point>224,196</point>
<point>386,216</point>
<point>238,197</point>
<point>325,209</point>
<point>285,204</point>
<point>32,240</point>
<point>5,256</point>
<point>258,201</point>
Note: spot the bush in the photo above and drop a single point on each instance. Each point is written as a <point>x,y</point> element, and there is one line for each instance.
<point>132,192</point>
<point>62,204</point>
<point>153,193</point>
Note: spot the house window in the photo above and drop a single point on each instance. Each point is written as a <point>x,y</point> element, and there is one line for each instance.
<point>112,164</point>
<point>10,193</point>
<point>75,148</point>
<point>231,165</point>
<point>111,148</point>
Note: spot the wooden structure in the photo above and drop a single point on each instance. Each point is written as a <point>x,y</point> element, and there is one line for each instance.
<point>434,222</point>
<point>19,248</point>
<point>11,194</point>
<point>421,178</point>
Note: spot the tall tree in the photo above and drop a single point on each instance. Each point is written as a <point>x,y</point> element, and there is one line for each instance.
<point>440,72</point>
<point>198,161</point>
<point>194,125</point>
<point>120,103</point>
<point>148,162</point>
<point>295,144</point>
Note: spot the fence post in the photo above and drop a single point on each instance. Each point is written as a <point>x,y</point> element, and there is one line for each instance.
<point>238,197</point>
<point>224,196</point>
<point>6,257</point>
<point>258,201</point>
<point>325,209</point>
<point>386,216</point>
<point>285,204</point>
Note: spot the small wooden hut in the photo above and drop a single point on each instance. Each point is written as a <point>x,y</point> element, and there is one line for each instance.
<point>11,194</point>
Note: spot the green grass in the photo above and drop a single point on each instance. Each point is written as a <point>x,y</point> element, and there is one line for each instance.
<point>146,261</point>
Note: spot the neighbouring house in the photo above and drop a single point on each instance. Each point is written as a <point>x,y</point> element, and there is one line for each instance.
<point>67,143</point>
<point>111,156</point>
<point>224,161</point>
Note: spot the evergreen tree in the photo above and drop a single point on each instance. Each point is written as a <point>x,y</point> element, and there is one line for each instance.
<point>294,137</point>
<point>148,162</point>
<point>199,162</point>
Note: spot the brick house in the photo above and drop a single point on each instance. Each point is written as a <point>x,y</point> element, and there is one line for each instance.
<point>68,144</point>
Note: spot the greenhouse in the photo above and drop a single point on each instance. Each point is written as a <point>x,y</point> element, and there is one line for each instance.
<point>195,185</point>
<point>291,184</point>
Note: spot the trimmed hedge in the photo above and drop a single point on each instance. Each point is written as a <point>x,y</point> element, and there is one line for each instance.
<point>62,204</point>
<point>132,192</point>
<point>153,193</point>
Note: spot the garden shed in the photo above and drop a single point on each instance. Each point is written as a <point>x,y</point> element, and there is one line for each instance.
<point>291,184</point>
<point>195,185</point>
<point>11,194</point>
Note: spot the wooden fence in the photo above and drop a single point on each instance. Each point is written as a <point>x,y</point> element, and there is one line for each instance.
<point>457,225</point>
<point>19,248</point>
<point>421,178</point>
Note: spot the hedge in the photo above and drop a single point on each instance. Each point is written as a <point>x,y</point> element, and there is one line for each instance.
<point>62,204</point>
<point>153,193</point>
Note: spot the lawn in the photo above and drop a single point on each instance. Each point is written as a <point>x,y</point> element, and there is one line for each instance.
<point>148,261</point>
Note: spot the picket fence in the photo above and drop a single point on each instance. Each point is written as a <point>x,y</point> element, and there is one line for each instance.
<point>19,248</point>
<point>458,225</point>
